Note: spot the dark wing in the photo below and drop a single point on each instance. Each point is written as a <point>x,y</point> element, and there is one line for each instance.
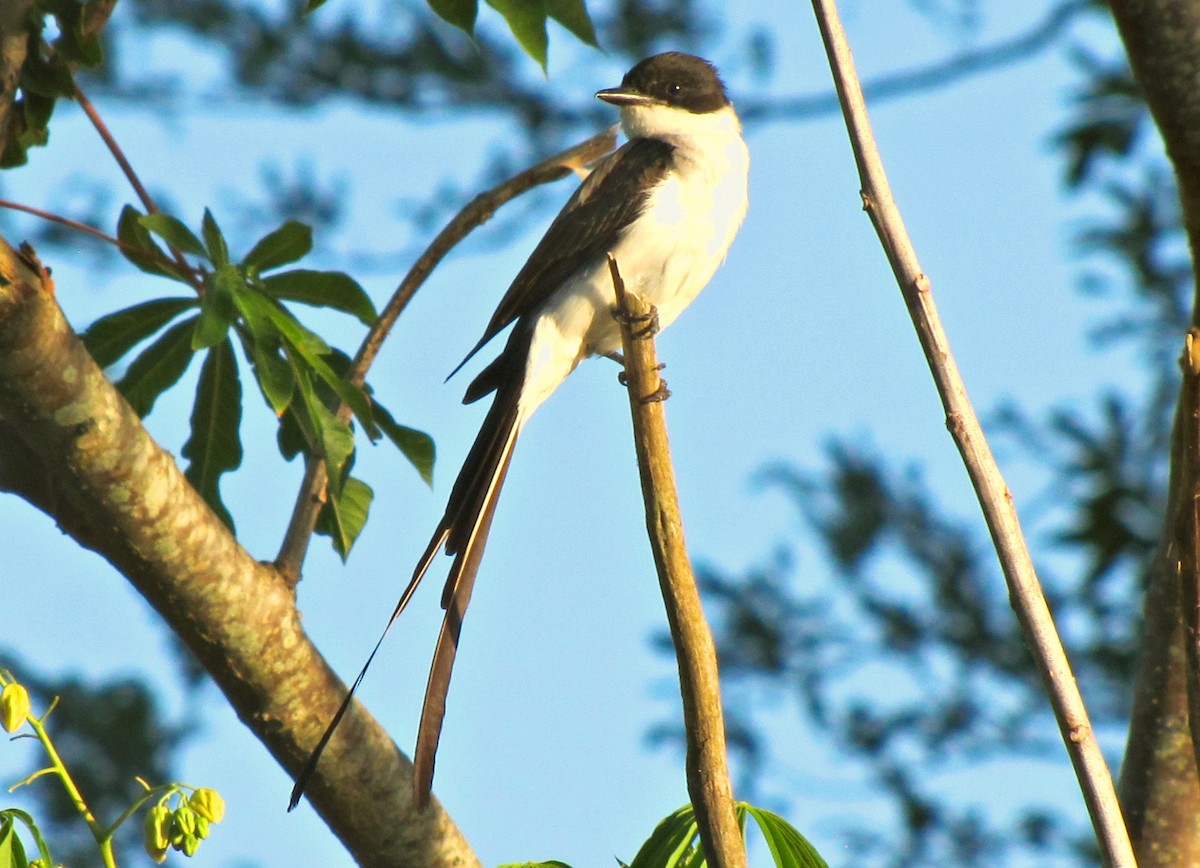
<point>587,227</point>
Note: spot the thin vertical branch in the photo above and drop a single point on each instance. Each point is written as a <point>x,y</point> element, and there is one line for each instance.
<point>1186,538</point>
<point>1024,590</point>
<point>707,768</point>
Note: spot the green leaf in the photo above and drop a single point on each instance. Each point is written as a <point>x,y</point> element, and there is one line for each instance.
<point>112,336</point>
<point>172,231</point>
<point>527,21</point>
<point>71,43</point>
<point>214,447</point>
<point>311,349</point>
<point>12,852</point>
<point>218,305</point>
<point>140,249</point>
<point>158,367</point>
<point>218,250</point>
<point>289,242</point>
<point>327,436</point>
<point>275,377</point>
<point>322,289</point>
<point>416,446</point>
<point>290,436</point>
<point>344,514</point>
<point>460,13</point>
<point>788,847</point>
<point>672,841</point>
<point>10,816</point>
<point>47,76</point>
<point>573,15</point>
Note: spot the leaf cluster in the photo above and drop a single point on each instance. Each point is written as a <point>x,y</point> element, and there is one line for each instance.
<point>244,303</point>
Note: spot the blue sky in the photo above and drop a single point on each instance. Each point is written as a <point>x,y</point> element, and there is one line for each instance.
<point>801,335</point>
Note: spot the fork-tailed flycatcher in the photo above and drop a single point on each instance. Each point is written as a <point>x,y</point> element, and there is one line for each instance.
<point>666,206</point>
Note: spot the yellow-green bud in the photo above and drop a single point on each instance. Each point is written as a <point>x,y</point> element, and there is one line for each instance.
<point>184,820</point>
<point>190,844</point>
<point>14,706</point>
<point>158,822</point>
<point>201,827</point>
<point>208,804</point>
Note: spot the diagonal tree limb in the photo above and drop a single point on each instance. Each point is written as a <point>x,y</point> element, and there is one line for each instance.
<point>72,446</point>
<point>1025,592</point>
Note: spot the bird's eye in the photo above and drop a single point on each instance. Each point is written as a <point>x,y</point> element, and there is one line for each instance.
<point>675,89</point>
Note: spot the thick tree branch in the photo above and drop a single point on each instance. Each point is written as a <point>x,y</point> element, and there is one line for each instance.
<point>696,656</point>
<point>1025,591</point>
<point>1159,786</point>
<point>72,446</point>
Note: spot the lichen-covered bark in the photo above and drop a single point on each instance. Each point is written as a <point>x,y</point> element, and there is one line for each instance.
<point>71,445</point>
<point>1158,786</point>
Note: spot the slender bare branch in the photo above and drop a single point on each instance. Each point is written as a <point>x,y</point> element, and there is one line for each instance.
<point>73,447</point>
<point>707,766</point>
<point>1024,589</point>
<point>1187,535</point>
<point>477,212</point>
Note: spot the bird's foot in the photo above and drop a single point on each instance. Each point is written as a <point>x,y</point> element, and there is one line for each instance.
<point>658,395</point>
<point>623,378</point>
<point>647,325</point>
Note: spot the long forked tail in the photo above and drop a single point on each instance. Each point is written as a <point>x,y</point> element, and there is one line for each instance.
<point>463,529</point>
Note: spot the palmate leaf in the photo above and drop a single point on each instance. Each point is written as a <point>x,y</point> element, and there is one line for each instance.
<point>112,336</point>
<point>322,289</point>
<point>344,514</point>
<point>215,446</point>
<point>291,241</point>
<point>158,367</point>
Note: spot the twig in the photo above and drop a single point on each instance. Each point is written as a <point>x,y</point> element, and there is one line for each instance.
<point>1024,590</point>
<point>312,489</point>
<point>1186,538</point>
<point>134,181</point>
<point>707,770</point>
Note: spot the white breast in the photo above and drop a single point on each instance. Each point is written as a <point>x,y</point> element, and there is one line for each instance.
<point>667,256</point>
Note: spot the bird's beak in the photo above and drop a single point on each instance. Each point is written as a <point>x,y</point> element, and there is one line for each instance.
<point>622,97</point>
